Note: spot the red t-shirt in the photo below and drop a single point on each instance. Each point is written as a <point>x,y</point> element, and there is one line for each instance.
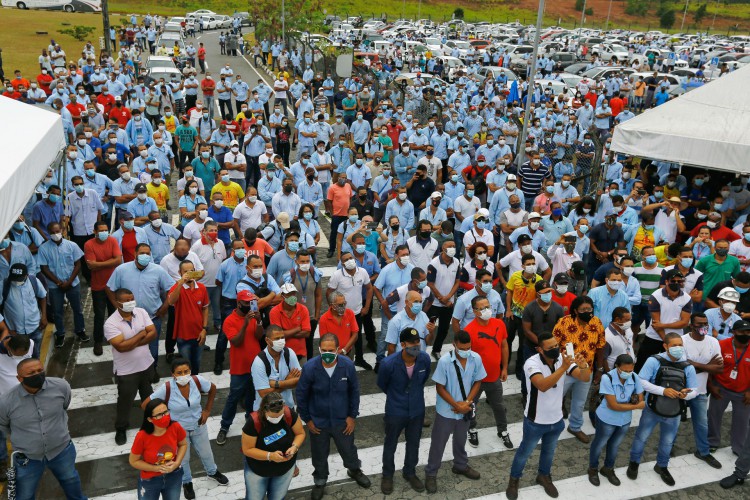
<point>742,381</point>
<point>96,251</point>
<point>188,311</point>
<point>344,331</point>
<point>241,357</point>
<point>121,114</point>
<point>157,450</point>
<point>487,341</point>
<point>299,317</point>
<point>617,106</point>
<point>128,246</point>
<point>720,233</point>
<point>564,301</point>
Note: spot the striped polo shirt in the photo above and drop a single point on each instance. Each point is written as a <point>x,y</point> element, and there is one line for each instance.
<point>649,280</point>
<point>531,184</point>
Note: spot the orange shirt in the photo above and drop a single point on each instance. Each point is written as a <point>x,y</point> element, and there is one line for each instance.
<point>96,251</point>
<point>586,340</point>
<point>300,316</point>
<point>487,341</point>
<point>344,330</point>
<point>188,311</point>
<point>340,197</point>
<point>261,248</point>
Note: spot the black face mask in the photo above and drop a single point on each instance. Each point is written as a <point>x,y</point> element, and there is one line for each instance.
<point>311,177</point>
<point>243,309</point>
<point>675,287</point>
<point>436,203</point>
<point>424,234</point>
<point>586,316</point>
<point>741,339</point>
<point>395,227</point>
<point>722,252</point>
<point>363,197</point>
<point>35,381</point>
<point>180,257</point>
<point>552,354</point>
<point>515,205</point>
<point>287,189</point>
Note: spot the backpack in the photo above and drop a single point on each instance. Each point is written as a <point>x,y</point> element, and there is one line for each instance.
<point>168,389</point>
<point>255,417</point>
<point>478,179</point>
<point>261,291</point>
<point>6,289</point>
<point>267,362</point>
<point>670,375</point>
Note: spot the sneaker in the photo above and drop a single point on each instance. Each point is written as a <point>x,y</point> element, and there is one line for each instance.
<point>218,369</point>
<point>98,351</point>
<point>546,483</point>
<point>221,438</point>
<point>594,476</point>
<point>318,491</point>
<point>59,341</point>
<point>415,483</point>
<point>473,438</point>
<point>219,477</point>
<point>506,439</point>
<point>359,477</point>
<point>511,492</point>
<point>430,484</point>
<point>83,337</point>
<point>188,490</point>
<point>664,475</point>
<point>731,482</point>
<point>709,459</point>
<point>632,472</point>
<point>363,364</point>
<point>468,472</point>
<point>386,485</point>
<point>120,437</point>
<point>610,475</point>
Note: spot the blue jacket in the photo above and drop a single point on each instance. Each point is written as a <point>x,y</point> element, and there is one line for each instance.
<point>328,401</point>
<point>404,396</point>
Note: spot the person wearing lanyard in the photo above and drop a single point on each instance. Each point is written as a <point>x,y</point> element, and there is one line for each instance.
<point>182,395</point>
<point>731,386</point>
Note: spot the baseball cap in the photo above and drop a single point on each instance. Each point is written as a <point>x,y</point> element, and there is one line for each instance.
<point>534,215</point>
<point>673,273</point>
<point>542,285</point>
<point>578,270</point>
<point>140,188</point>
<point>408,335</point>
<point>234,142</point>
<point>523,238</point>
<point>283,219</point>
<point>675,199</point>
<point>245,296</point>
<point>288,288</point>
<point>481,158</point>
<point>18,272</point>
<point>741,325</point>
<point>561,279</point>
<point>511,177</point>
<point>150,159</point>
<point>436,194</point>
<point>118,98</point>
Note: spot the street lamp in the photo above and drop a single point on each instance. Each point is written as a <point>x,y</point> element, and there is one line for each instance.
<point>687,2</point>
<point>530,89</point>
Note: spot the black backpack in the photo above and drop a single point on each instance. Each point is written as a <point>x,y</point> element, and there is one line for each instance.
<point>6,289</point>
<point>477,178</point>
<point>267,362</point>
<point>261,291</point>
<point>671,375</point>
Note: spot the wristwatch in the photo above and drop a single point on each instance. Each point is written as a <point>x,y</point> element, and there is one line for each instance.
<point>600,369</point>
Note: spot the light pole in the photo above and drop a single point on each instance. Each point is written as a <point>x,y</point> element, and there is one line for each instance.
<point>105,22</point>
<point>609,11</point>
<point>687,2</point>
<point>530,90</point>
<point>283,22</point>
<point>583,14</point>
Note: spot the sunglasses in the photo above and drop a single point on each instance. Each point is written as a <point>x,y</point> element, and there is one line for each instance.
<point>275,406</point>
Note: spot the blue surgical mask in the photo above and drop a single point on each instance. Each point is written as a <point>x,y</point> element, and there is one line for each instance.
<point>470,193</point>
<point>747,236</point>
<point>464,354</point>
<point>624,375</point>
<point>741,290</point>
<point>651,260</point>
<point>102,235</point>
<point>240,253</point>
<point>360,249</point>
<point>307,215</point>
<point>486,287</point>
<point>686,262</point>
<point>422,284</point>
<point>550,189</point>
<point>54,198</point>
<point>658,195</point>
<point>583,228</point>
<point>353,218</point>
<point>546,297</point>
<point>613,192</point>
<point>718,206</point>
<point>293,246</point>
<point>144,259</point>
<point>18,226</point>
<point>677,351</point>
<point>698,182</point>
<point>557,212</point>
<point>416,308</point>
<point>128,224</point>
<point>454,178</point>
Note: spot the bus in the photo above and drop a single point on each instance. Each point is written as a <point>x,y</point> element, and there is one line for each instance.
<point>64,5</point>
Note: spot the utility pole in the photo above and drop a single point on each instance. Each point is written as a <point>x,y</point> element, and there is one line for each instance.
<point>609,11</point>
<point>530,90</point>
<point>583,14</point>
<point>105,22</point>
<point>283,22</point>
<point>687,2</point>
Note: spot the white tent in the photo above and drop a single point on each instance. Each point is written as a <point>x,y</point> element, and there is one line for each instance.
<point>31,139</point>
<point>707,127</point>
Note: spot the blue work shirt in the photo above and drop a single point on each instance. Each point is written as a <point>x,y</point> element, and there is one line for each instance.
<point>185,412</point>
<point>142,208</point>
<point>148,285</point>
<point>404,395</point>
<point>445,375</point>
<point>220,216</point>
<point>392,277</point>
<point>60,258</point>
<point>20,310</point>
<point>453,191</point>
<point>19,253</point>
<point>464,313</point>
<point>404,211</point>
<point>279,264</point>
<point>26,237</point>
<point>263,381</point>
<point>622,391</point>
<point>45,213</point>
<point>230,273</point>
<point>401,321</point>
<point>328,400</point>
<point>160,240</point>
<point>120,188</point>
<point>651,368</point>
<point>716,322</point>
<point>605,303</point>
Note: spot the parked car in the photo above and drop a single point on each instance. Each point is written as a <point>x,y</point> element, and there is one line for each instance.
<point>157,73</point>
<point>200,12</point>
<point>160,62</point>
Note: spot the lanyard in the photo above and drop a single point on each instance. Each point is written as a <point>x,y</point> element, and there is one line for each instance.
<point>736,360</point>
<point>303,285</point>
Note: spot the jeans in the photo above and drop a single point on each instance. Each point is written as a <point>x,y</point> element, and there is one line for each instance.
<point>699,417</point>
<point>606,435</point>
<point>63,467</point>
<point>227,306</point>
<point>740,417</point>
<point>532,433</point>
<point>57,297</point>
<point>36,336</point>
<point>494,392</point>
<point>168,486</point>
<point>667,433</point>
<point>192,351</point>
<point>412,428</point>
<point>320,448</point>
<point>103,308</point>
<point>127,387</point>
<point>239,386</point>
<point>442,429</point>
<point>198,439</point>
<point>153,346</point>
<point>214,296</point>
<point>577,400</point>
<point>381,339</point>
<point>272,488</point>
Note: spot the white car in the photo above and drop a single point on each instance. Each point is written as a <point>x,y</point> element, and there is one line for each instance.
<point>462,46</point>
<point>200,13</point>
<point>613,52</point>
<point>216,21</point>
<point>160,62</point>
<point>452,66</point>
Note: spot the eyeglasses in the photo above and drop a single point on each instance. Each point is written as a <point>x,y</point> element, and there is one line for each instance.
<point>481,253</point>
<point>159,415</point>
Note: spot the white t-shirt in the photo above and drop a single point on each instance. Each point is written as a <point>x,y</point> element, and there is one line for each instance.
<point>249,216</point>
<point>193,230</point>
<point>235,159</point>
<point>467,208</point>
<point>350,286</point>
<point>211,258</point>
<point>741,251</point>
<point>618,344</point>
<point>472,236</point>
<point>544,408</point>
<point>701,351</point>
<point>514,263</point>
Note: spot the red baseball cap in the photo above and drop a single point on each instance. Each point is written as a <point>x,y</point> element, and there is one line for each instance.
<point>246,296</point>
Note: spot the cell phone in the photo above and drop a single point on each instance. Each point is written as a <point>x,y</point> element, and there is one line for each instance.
<point>254,306</point>
<point>433,319</point>
<point>569,349</point>
<point>194,275</point>
<point>641,192</point>
<point>372,226</point>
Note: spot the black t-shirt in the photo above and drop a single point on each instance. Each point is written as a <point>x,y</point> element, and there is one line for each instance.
<point>272,437</point>
<point>541,321</point>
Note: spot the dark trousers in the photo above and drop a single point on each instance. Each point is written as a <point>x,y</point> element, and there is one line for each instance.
<point>514,327</point>
<point>444,315</point>
<point>358,349</point>
<point>648,348</point>
<point>252,174</point>
<point>190,101</point>
<point>494,392</point>
<point>80,241</point>
<point>100,304</point>
<point>412,429</point>
<point>225,107</point>
<point>170,342</point>
<point>227,306</point>
<point>240,387</point>
<point>185,158</point>
<point>127,387</point>
<point>309,339</point>
<point>320,450</point>
<point>336,221</point>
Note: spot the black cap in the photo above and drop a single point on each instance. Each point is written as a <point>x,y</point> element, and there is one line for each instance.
<point>561,279</point>
<point>673,273</point>
<point>18,272</point>
<point>542,285</point>
<point>578,270</point>
<point>523,237</point>
<point>741,325</point>
<point>140,188</point>
<point>408,335</point>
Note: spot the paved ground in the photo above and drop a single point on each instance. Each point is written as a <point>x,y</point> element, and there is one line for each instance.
<point>106,474</point>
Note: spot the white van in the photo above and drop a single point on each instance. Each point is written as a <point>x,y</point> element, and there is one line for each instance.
<point>66,5</point>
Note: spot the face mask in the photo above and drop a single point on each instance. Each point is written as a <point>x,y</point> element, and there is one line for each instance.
<point>156,223</point>
<point>56,237</point>
<point>463,354</point>
<point>252,199</point>
<point>530,269</point>
<point>413,350</point>
<point>183,379</point>
<point>450,252</point>
<point>193,190</point>
<point>614,285</point>
<point>128,306</point>
<point>278,345</point>
<point>552,354</point>
<point>203,214</point>
<point>585,316</point>
<point>742,339</point>
<point>677,351</point>
<point>534,225</point>
<point>162,422</point>
<point>256,273</point>
<point>328,357</point>
<point>405,260</point>
<point>35,381</point>
<point>722,252</point>
<point>350,264</point>
<point>274,420</point>
<point>144,259</point>
<point>675,287</point>
<point>546,297</point>
<point>729,307</point>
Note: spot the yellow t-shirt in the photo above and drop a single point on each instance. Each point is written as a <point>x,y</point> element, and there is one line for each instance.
<point>233,193</point>
<point>159,193</point>
<point>524,291</point>
<point>661,255</point>
<point>669,192</point>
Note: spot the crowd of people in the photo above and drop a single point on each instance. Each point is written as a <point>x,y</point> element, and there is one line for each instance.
<point>635,296</point>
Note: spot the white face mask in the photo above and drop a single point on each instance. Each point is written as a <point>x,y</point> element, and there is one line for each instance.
<point>278,345</point>
<point>625,326</point>
<point>405,260</point>
<point>274,420</point>
<point>562,289</point>
<point>203,214</point>
<point>156,223</point>
<point>256,273</point>
<point>534,225</point>
<point>304,268</point>
<point>128,306</point>
<point>350,264</point>
<point>729,307</point>
<point>183,379</point>
<point>526,249</point>
<point>402,196</point>
<point>450,252</point>
<point>218,203</point>
<point>531,269</point>
<point>485,313</point>
<point>56,237</point>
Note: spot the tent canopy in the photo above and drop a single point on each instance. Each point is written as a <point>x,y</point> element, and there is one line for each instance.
<point>707,127</point>
<point>31,139</point>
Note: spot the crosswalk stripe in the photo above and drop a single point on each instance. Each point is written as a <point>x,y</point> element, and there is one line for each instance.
<point>687,471</point>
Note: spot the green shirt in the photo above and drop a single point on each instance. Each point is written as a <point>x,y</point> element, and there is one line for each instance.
<point>187,136</point>
<point>385,141</point>
<point>648,279</point>
<point>349,103</point>
<point>713,272</point>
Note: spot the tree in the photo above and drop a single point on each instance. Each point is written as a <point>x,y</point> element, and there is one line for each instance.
<point>80,33</point>
<point>667,19</point>
<point>700,13</point>
<point>637,7</point>
<point>300,16</point>
<point>458,13</point>
<point>579,5</point>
